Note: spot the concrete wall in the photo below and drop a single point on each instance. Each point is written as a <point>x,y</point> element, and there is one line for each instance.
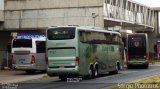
<point>45,13</point>
<point>1,15</point>
<point>1,4</point>
<point>32,15</point>
<point>1,10</point>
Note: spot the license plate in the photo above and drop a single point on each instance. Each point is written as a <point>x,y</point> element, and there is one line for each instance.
<point>61,66</point>
<point>21,60</point>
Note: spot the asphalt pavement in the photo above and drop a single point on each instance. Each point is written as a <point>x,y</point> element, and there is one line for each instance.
<point>105,81</point>
<point>22,80</point>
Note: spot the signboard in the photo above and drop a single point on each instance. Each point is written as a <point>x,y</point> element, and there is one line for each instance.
<point>30,35</point>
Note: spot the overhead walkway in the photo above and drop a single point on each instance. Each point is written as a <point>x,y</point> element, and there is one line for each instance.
<point>129,14</point>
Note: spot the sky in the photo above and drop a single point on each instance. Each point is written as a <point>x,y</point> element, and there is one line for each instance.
<point>150,3</point>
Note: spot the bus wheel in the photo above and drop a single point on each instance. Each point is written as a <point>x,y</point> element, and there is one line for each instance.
<point>30,71</point>
<point>91,73</point>
<point>63,78</point>
<point>43,71</point>
<point>118,66</point>
<point>115,71</point>
<point>129,66</point>
<point>146,66</point>
<point>96,71</point>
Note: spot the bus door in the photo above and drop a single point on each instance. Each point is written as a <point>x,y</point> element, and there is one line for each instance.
<point>40,53</point>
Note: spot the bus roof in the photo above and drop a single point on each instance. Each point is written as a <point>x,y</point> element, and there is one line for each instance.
<point>137,34</point>
<point>89,28</point>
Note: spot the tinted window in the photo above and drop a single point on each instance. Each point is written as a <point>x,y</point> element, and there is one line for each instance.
<point>61,33</point>
<point>40,46</point>
<point>98,37</point>
<point>25,43</point>
<point>136,45</point>
<point>137,41</point>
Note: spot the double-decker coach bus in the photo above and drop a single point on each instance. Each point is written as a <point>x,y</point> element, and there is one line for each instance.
<point>74,51</point>
<point>28,52</point>
<point>137,50</point>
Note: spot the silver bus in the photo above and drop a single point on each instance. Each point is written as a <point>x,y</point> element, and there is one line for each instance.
<point>28,53</point>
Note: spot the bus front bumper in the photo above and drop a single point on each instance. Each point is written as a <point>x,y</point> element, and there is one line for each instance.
<point>136,63</point>
<point>62,71</point>
<point>24,67</point>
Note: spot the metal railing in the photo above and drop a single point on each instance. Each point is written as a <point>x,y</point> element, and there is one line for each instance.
<point>126,10</point>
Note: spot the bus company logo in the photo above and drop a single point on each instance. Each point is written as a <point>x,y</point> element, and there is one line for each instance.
<point>136,43</point>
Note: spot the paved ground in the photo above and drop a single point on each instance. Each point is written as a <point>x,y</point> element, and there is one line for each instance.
<point>9,76</point>
<point>40,80</point>
<point>103,82</point>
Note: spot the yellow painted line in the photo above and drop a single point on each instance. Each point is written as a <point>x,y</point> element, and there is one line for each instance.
<point>147,77</point>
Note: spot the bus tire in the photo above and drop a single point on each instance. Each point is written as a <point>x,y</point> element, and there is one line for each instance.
<point>96,71</point>
<point>115,71</point>
<point>30,71</point>
<point>91,73</point>
<point>63,78</point>
<point>43,71</point>
<point>129,67</point>
<point>146,66</point>
<point>118,66</point>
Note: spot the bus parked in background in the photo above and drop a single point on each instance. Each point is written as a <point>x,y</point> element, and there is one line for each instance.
<point>137,50</point>
<point>28,52</point>
<point>82,51</point>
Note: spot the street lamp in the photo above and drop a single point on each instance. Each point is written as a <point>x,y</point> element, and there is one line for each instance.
<point>94,17</point>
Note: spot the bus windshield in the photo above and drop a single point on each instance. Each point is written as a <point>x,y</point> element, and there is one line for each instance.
<point>61,33</point>
<point>25,43</point>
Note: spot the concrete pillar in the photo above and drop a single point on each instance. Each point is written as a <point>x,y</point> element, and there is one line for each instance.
<point>4,39</point>
<point>151,41</point>
<point>152,36</point>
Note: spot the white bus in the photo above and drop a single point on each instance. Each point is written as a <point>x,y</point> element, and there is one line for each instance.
<point>28,52</point>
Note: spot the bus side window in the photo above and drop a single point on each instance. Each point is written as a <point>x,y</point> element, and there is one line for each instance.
<point>40,46</point>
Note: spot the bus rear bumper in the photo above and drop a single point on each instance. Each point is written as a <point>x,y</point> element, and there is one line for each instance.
<point>137,63</point>
<point>62,71</point>
<point>24,67</point>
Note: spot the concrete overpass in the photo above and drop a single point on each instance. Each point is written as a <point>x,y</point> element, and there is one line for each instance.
<point>37,15</point>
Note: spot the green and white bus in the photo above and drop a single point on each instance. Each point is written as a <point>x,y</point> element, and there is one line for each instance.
<point>82,51</point>
<point>137,50</point>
